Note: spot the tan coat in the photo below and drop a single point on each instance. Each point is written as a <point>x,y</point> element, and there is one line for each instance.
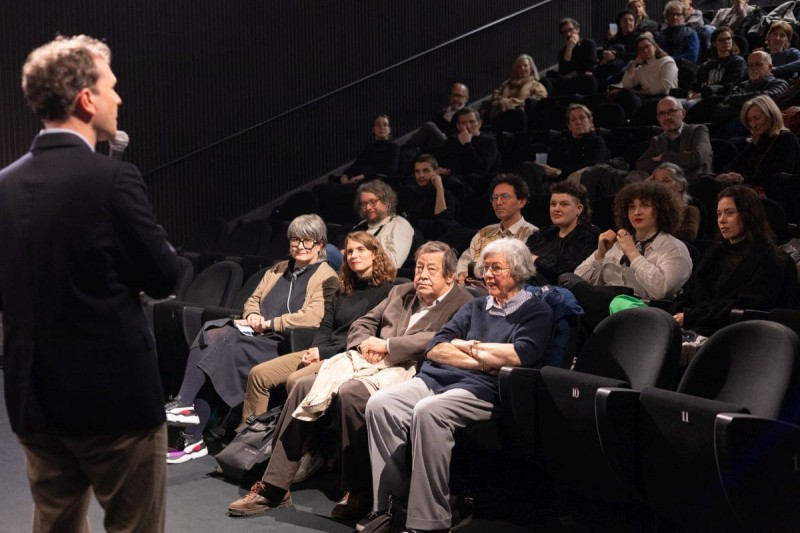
<point>319,297</point>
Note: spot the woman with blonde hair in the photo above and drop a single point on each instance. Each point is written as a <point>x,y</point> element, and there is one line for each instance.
<point>522,84</point>
<point>771,150</point>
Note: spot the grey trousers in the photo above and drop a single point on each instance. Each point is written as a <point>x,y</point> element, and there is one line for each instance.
<point>407,415</point>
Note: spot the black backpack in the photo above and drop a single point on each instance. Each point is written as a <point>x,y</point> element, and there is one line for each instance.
<point>250,450</point>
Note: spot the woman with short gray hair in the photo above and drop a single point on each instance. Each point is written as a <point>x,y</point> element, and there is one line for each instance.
<point>517,256</point>
<point>293,293</point>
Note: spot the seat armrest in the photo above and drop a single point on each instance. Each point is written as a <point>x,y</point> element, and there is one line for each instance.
<point>298,339</point>
<point>517,397</point>
<point>617,413</point>
<point>192,318</point>
<point>739,315</point>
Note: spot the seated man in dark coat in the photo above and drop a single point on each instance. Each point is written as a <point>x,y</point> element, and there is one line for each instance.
<point>468,155</point>
<point>426,204</point>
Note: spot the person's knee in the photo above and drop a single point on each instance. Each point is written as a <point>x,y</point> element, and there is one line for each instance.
<point>353,395</point>
<point>376,405</point>
<point>260,379</point>
<point>427,409</point>
<point>300,385</point>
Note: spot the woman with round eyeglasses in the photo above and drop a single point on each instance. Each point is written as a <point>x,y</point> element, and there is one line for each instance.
<point>723,67</point>
<point>678,39</point>
<point>293,293</point>
<point>743,270</point>
<point>643,254</point>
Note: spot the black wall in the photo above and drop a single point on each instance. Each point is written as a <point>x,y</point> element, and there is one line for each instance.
<point>230,105</point>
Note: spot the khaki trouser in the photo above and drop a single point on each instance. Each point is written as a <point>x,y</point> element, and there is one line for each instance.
<point>127,474</point>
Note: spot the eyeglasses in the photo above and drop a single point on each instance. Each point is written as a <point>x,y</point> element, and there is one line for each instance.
<point>668,113</point>
<point>505,197</point>
<point>370,203</point>
<point>495,269</point>
<point>307,243</point>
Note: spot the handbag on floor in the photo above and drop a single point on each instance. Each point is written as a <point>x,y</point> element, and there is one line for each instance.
<point>251,448</point>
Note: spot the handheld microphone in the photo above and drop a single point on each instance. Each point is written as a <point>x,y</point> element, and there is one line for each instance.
<point>118,144</point>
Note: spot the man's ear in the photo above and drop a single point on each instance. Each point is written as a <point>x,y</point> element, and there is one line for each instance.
<point>85,107</point>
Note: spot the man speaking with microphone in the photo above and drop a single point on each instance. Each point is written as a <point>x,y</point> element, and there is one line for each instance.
<point>78,241</point>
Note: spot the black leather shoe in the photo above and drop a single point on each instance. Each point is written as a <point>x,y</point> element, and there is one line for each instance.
<point>352,505</point>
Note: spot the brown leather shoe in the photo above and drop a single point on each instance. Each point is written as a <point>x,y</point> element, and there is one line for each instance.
<point>352,505</point>
<point>261,498</point>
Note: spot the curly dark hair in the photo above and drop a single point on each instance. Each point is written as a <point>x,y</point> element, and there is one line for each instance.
<point>577,191</point>
<point>751,211</point>
<point>383,268</point>
<point>666,202</point>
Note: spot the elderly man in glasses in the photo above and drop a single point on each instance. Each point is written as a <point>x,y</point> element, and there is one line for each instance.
<point>686,145</point>
<point>509,195</point>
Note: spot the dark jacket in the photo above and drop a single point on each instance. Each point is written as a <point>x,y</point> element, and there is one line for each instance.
<point>478,156</point>
<point>556,255</point>
<point>717,286</point>
<point>79,241</point>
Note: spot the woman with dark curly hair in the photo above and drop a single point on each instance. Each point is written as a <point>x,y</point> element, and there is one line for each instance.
<point>364,280</point>
<point>643,254</point>
<point>743,270</point>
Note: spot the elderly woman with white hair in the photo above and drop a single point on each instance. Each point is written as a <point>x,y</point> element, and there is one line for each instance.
<point>456,386</point>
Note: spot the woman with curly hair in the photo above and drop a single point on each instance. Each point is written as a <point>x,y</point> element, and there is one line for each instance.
<point>743,270</point>
<point>643,255</point>
<point>364,280</point>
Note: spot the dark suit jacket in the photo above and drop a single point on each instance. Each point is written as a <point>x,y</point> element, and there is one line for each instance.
<point>390,318</point>
<point>693,152</point>
<point>79,241</point>
<point>478,156</point>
